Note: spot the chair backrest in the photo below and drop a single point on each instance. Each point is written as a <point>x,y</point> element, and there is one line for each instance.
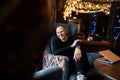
<point>72,31</point>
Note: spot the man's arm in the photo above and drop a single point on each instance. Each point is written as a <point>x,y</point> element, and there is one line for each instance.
<point>58,50</point>
<point>77,52</point>
<point>61,51</point>
<point>75,43</point>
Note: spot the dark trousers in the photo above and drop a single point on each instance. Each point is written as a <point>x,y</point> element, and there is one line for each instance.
<point>81,66</point>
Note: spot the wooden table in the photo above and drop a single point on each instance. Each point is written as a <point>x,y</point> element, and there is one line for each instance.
<point>110,72</point>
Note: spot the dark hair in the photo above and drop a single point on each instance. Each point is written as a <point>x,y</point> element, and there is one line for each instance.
<point>24,33</point>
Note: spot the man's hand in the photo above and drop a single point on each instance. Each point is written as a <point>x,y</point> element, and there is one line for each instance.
<point>74,43</point>
<point>77,54</point>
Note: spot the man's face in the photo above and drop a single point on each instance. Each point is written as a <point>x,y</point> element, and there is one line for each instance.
<point>61,33</point>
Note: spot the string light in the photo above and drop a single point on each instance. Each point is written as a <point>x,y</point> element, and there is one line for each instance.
<point>80,6</point>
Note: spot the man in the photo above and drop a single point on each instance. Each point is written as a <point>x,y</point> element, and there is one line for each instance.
<point>71,47</point>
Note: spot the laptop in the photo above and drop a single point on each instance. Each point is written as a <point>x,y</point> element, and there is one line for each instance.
<point>110,56</point>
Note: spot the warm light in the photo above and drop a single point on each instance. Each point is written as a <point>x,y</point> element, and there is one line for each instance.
<point>80,6</point>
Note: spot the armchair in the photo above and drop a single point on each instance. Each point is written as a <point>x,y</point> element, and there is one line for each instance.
<point>61,61</point>
<point>51,73</point>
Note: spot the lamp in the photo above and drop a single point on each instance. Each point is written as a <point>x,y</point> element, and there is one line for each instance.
<point>85,6</point>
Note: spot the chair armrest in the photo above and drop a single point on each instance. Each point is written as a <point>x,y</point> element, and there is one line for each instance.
<point>53,73</point>
<point>92,57</point>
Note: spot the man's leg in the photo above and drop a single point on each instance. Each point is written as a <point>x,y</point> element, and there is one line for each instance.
<point>82,65</point>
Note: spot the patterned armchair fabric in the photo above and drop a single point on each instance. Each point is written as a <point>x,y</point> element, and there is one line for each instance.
<point>51,60</point>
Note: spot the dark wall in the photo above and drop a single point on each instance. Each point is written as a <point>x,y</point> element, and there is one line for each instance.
<point>23,37</point>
